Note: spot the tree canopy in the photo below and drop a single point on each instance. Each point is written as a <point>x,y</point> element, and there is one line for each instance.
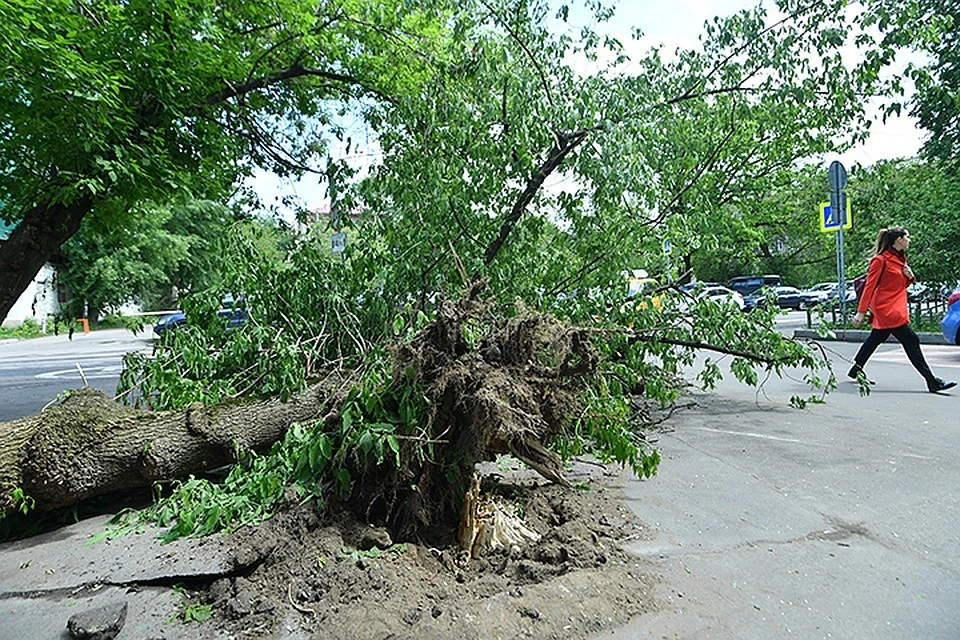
<point>108,103</point>
<point>160,252</point>
<point>936,105</point>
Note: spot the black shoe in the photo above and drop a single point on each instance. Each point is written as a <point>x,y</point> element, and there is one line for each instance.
<point>940,385</point>
<point>856,371</point>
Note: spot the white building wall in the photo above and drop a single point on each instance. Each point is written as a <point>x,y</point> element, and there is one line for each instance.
<point>39,301</point>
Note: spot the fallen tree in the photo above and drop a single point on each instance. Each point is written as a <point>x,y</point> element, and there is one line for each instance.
<point>513,390</point>
<point>89,445</point>
<point>397,445</point>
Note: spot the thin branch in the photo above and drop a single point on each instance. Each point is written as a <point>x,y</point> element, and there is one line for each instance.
<point>735,52</point>
<point>704,167</point>
<point>637,337</point>
<point>711,92</point>
<point>566,142</point>
<point>584,269</point>
<point>295,70</point>
<point>464,232</point>
<point>523,45</point>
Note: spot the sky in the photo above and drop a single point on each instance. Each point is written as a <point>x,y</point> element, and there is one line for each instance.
<point>675,23</point>
<point>678,23</point>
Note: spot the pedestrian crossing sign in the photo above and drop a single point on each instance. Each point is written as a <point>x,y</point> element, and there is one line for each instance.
<point>827,225</point>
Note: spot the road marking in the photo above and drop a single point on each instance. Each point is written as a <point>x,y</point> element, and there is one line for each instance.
<point>90,374</point>
<point>762,436</point>
<point>32,364</point>
<point>936,355</point>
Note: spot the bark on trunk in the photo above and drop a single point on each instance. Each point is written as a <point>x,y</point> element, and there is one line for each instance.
<point>90,445</point>
<point>36,239</point>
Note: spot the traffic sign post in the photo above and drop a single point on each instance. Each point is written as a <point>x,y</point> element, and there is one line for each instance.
<point>836,216</point>
<point>338,242</point>
<point>837,174</point>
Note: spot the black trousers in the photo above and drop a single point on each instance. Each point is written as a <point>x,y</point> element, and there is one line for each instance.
<point>907,337</point>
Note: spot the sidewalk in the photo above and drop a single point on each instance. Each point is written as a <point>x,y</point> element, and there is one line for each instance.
<point>836,521</point>
<point>859,335</point>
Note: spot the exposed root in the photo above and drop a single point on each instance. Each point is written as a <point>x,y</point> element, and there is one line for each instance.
<point>489,522</point>
<point>495,386</point>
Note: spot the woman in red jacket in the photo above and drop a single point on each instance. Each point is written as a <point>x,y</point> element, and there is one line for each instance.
<point>885,296</point>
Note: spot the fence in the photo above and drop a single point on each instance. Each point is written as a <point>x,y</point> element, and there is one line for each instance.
<point>925,314</point>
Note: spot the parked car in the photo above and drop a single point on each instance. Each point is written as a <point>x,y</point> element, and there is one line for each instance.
<point>947,289</point>
<point>789,298</point>
<point>721,295</point>
<point>919,291</point>
<point>851,295</point>
<point>748,285</point>
<point>951,321</point>
<point>818,293</point>
<point>235,314</point>
<point>641,288</point>
<point>785,297</point>
<point>696,286</point>
<point>169,322</point>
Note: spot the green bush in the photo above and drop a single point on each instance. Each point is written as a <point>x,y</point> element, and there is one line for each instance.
<point>29,329</point>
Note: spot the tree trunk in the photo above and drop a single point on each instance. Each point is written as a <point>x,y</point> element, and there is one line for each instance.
<point>36,239</point>
<point>89,445</point>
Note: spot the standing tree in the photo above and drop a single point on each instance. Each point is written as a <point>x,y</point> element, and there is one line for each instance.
<point>159,252</point>
<point>106,104</point>
<point>922,196</point>
<point>937,101</point>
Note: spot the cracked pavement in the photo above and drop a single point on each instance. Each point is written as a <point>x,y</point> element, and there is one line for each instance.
<point>47,578</point>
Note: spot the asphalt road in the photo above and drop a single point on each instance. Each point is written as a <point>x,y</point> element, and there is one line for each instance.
<point>34,372</point>
<point>841,520</point>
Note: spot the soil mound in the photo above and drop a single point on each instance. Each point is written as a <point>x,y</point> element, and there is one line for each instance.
<point>342,579</point>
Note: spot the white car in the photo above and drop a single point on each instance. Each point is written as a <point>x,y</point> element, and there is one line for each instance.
<point>818,293</point>
<point>721,294</point>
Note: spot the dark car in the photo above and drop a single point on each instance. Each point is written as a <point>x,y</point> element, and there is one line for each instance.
<point>789,298</point>
<point>235,317</point>
<point>785,298</point>
<point>169,322</point>
<point>749,285</point>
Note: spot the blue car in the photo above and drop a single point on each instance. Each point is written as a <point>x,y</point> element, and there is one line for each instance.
<point>951,321</point>
<point>235,317</point>
<point>168,322</point>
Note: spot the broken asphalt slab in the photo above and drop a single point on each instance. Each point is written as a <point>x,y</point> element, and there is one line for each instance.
<point>46,579</point>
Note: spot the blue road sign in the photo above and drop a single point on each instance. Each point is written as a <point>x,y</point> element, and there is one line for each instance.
<point>828,225</point>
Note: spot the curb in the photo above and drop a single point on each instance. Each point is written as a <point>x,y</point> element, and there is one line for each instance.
<point>859,335</point>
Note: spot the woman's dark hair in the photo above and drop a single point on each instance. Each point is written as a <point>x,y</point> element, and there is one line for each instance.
<point>886,237</point>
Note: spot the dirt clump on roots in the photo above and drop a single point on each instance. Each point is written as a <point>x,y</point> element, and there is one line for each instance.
<point>333,577</point>
<point>493,386</point>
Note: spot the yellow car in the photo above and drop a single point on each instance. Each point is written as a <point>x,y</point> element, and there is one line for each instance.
<point>639,282</point>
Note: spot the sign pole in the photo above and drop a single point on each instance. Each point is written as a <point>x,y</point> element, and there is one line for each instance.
<point>841,271</point>
<point>338,241</point>
<point>667,250</point>
<point>838,214</point>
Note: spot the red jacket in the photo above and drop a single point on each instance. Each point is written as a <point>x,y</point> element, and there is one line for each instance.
<point>885,291</point>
